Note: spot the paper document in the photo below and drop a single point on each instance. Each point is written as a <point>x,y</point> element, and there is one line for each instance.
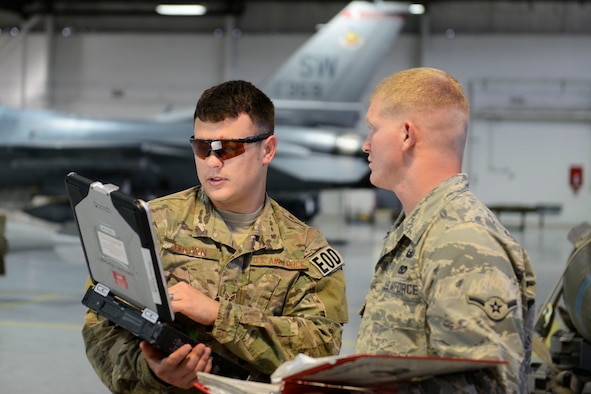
<point>363,373</point>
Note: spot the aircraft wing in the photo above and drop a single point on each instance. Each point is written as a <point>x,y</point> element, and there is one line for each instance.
<point>146,166</point>
<point>87,154</point>
<point>341,171</point>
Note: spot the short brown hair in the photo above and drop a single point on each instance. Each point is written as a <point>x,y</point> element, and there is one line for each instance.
<point>232,98</point>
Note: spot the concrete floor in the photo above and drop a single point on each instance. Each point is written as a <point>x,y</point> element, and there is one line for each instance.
<point>41,348</point>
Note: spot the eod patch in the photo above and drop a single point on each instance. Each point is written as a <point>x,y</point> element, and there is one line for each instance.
<point>327,260</point>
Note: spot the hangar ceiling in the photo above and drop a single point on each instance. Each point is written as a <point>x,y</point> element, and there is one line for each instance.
<point>291,16</point>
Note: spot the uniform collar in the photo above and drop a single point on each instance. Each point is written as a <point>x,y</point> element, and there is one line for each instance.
<point>264,234</point>
<point>415,224</point>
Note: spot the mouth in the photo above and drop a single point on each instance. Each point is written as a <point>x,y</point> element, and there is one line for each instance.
<point>215,180</point>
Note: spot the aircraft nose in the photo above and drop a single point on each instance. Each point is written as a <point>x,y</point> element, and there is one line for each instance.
<point>349,144</point>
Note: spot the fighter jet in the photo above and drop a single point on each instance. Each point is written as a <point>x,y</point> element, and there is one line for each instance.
<point>317,93</point>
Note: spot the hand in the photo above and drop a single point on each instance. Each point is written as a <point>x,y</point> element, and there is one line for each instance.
<point>193,304</point>
<point>179,368</point>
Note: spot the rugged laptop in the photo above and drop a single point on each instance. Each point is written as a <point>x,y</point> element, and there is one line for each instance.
<point>124,264</point>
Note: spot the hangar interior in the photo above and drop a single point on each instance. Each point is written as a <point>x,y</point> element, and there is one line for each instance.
<point>524,65</point>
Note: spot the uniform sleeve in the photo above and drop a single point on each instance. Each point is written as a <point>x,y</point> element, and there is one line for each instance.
<point>310,321</point>
<point>474,305</point>
<point>117,359</point>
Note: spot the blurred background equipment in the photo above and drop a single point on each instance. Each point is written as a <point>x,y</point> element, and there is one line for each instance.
<point>569,368</point>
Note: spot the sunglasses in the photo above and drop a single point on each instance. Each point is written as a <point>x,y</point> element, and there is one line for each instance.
<point>224,149</point>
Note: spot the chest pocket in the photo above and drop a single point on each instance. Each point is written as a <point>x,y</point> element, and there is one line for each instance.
<point>393,315</point>
<point>397,290</point>
<point>270,281</point>
<point>196,265</point>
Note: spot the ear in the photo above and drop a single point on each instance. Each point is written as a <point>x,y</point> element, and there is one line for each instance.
<point>269,149</point>
<point>410,135</point>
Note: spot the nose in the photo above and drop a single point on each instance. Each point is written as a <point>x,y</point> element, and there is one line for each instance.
<point>213,160</point>
<point>366,145</point>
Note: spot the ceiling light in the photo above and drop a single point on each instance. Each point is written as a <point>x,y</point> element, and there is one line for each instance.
<point>181,9</point>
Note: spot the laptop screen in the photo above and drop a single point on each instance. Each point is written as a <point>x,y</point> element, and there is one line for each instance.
<point>119,244</point>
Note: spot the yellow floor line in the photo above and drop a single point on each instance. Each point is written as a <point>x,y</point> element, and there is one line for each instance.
<point>34,300</point>
<point>24,324</point>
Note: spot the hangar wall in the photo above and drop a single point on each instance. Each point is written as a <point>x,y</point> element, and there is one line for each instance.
<point>530,94</point>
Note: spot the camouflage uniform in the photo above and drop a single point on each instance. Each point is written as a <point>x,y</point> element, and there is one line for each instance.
<point>282,292</point>
<point>452,282</point>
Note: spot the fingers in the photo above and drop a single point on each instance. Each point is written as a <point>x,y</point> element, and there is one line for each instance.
<point>180,367</point>
<point>185,369</point>
<point>200,358</point>
<point>209,365</point>
<point>178,356</point>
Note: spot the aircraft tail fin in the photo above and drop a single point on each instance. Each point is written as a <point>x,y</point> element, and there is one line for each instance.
<point>336,64</point>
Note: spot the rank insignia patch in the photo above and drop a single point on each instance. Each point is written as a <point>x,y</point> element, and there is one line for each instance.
<point>495,308</point>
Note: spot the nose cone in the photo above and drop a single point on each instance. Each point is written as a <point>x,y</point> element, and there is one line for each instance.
<point>350,144</point>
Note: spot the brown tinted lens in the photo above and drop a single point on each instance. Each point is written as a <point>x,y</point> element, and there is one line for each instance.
<point>200,148</point>
<point>230,149</point>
